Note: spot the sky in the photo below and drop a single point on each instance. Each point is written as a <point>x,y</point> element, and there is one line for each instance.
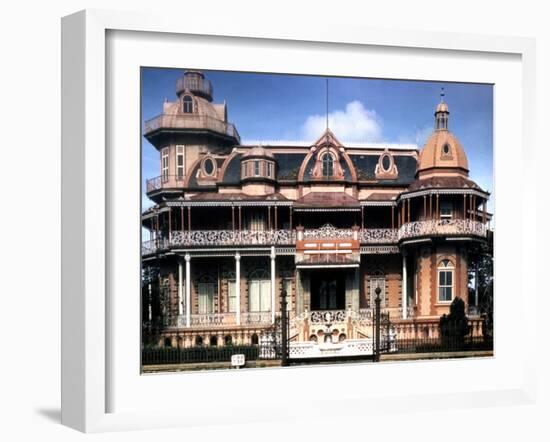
<point>267,107</point>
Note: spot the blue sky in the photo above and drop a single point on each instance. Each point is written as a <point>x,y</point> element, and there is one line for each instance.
<point>292,107</point>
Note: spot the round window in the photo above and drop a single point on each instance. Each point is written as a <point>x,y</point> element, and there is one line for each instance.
<point>208,166</point>
<point>386,162</point>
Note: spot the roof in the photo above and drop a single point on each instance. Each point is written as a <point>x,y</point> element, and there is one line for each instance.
<point>327,199</point>
<point>442,150</point>
<point>365,166</point>
<point>215,196</point>
<point>449,182</point>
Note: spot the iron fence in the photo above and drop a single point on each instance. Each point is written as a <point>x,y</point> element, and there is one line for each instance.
<point>435,345</point>
<point>198,354</point>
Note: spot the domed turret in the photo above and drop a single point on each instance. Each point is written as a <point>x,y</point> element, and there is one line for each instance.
<point>442,152</point>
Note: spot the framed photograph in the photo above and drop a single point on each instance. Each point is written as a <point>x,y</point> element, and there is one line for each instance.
<point>281,211</point>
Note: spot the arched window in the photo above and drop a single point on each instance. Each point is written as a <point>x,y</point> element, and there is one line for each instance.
<point>198,341</point>
<point>213,341</point>
<point>254,339</point>
<point>377,279</point>
<point>228,340</point>
<point>207,289</point>
<point>259,291</point>
<point>168,342</point>
<point>328,164</point>
<point>445,272</point>
<point>187,105</point>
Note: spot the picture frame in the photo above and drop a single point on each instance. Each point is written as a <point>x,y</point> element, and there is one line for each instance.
<point>89,316</point>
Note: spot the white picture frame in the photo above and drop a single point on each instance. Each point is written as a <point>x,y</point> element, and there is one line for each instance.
<point>87,210</point>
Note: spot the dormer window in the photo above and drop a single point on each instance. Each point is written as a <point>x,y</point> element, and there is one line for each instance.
<point>187,104</point>
<point>328,165</point>
<point>208,166</point>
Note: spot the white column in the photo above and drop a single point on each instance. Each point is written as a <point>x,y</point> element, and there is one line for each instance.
<point>238,286</point>
<point>180,288</point>
<point>404,288</point>
<point>272,284</point>
<point>188,289</point>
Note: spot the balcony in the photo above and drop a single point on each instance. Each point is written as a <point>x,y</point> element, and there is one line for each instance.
<point>207,238</point>
<point>417,229</point>
<point>442,227</point>
<point>219,320</point>
<point>164,182</point>
<point>191,121</point>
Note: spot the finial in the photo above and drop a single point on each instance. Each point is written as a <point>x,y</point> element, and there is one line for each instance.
<point>442,93</point>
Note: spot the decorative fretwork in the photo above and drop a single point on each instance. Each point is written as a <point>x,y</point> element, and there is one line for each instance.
<point>199,238</point>
<point>328,316</point>
<point>213,319</point>
<point>256,318</point>
<point>328,231</point>
<point>378,236</point>
<point>442,227</point>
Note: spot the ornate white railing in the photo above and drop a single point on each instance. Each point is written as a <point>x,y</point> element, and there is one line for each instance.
<point>447,227</point>
<point>378,236</point>
<point>213,319</point>
<point>328,232</point>
<point>256,318</point>
<point>328,316</point>
<point>442,227</point>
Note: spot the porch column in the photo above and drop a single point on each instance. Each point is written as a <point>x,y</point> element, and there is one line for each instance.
<point>238,286</point>
<point>188,289</point>
<point>476,299</point>
<point>272,284</point>
<point>180,288</point>
<point>404,299</point>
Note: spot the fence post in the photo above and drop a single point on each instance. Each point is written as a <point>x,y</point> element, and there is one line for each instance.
<point>284,324</point>
<point>377,324</point>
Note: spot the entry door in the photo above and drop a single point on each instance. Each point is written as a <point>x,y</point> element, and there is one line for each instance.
<point>327,291</point>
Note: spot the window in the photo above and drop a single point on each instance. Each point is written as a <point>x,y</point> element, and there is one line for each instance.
<point>377,279</point>
<point>207,291</point>
<point>208,166</point>
<point>228,340</point>
<point>164,164</point>
<point>232,294</point>
<point>213,341</point>
<point>386,163</point>
<point>256,168</point>
<point>187,105</point>
<point>269,166</point>
<point>445,278</point>
<point>256,220</point>
<point>287,286</point>
<point>180,162</point>
<point>446,210</point>
<point>254,339</point>
<point>328,164</point>
<point>259,291</point>
<point>446,149</point>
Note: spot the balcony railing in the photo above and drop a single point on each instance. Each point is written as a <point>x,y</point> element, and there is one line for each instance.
<point>203,238</point>
<point>191,121</point>
<point>442,227</point>
<point>219,319</point>
<point>165,182</point>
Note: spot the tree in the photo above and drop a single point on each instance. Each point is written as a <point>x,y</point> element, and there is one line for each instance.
<point>454,326</point>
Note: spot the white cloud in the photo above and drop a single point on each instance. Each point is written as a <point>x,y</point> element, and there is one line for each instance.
<point>355,123</point>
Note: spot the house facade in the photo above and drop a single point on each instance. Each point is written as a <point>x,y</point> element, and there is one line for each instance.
<point>232,225</point>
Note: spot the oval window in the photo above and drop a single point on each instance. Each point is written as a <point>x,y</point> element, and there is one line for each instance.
<point>446,149</point>
<point>208,166</point>
<point>386,162</point>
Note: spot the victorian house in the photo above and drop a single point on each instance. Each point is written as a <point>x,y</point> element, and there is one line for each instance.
<point>233,224</point>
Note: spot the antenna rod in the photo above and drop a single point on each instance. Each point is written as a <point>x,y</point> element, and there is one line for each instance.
<point>327,103</point>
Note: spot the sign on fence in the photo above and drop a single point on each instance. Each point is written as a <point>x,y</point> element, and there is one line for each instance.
<point>237,360</point>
